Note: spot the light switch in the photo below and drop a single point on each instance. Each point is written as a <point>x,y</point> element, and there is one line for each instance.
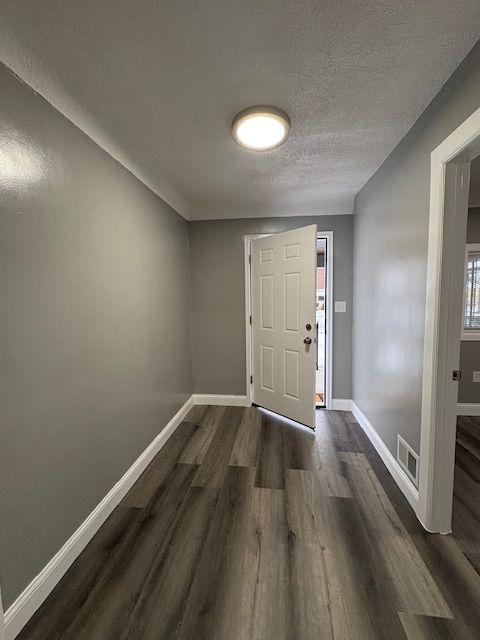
<point>476,376</point>
<point>340,307</point>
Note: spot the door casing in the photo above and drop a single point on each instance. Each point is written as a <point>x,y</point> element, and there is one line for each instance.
<point>2,620</point>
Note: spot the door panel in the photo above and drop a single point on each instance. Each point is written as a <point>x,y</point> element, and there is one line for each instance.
<point>267,367</point>
<point>283,303</point>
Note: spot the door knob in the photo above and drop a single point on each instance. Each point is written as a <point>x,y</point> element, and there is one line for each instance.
<point>307,340</point>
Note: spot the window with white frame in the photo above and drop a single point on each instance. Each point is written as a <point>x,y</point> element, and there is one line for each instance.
<point>471,307</point>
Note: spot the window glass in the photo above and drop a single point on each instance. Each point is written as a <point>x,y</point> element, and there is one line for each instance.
<point>472,292</point>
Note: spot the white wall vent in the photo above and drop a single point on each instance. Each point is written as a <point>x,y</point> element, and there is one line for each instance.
<point>408,459</point>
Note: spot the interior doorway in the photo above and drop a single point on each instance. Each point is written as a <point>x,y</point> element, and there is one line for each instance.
<point>466,487</point>
<point>450,307</point>
<point>314,337</point>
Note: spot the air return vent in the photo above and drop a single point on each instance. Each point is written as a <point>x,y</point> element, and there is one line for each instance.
<point>408,459</point>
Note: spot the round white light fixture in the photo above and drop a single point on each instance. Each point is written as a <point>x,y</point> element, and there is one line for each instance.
<point>260,128</point>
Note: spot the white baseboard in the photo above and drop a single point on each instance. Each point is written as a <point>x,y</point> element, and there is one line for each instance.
<point>41,586</point>
<point>339,404</point>
<point>242,401</point>
<point>403,481</point>
<point>468,409</point>
<point>227,401</point>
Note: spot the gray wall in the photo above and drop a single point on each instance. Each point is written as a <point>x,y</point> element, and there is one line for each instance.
<point>95,354</point>
<point>390,258</point>
<point>218,299</point>
<point>469,391</point>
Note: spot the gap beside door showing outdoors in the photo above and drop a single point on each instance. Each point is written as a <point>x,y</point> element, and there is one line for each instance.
<point>321,321</point>
<point>283,268</point>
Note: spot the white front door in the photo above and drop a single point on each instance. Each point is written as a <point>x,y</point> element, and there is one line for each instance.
<point>283,323</point>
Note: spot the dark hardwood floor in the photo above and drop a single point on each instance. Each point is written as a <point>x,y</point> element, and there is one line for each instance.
<point>246,527</point>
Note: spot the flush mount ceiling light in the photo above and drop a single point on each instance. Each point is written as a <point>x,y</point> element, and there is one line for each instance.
<point>260,128</point>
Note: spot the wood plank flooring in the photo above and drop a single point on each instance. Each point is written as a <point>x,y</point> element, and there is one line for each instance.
<point>247,527</point>
<point>466,492</point>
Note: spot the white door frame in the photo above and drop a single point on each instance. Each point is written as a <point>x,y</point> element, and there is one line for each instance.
<point>248,313</point>
<point>442,339</point>
<point>329,301</point>
<point>329,316</point>
<point>2,620</point>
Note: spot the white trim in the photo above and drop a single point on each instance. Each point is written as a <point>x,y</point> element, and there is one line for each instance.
<point>338,404</point>
<point>470,335</point>
<point>403,481</point>
<point>221,400</point>
<point>468,409</point>
<point>19,613</point>
<point>248,312</point>
<point>328,235</point>
<point>438,430</point>
<point>2,620</point>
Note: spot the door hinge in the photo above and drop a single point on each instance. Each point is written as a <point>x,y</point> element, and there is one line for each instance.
<point>249,258</point>
<point>456,375</point>
<point>250,319</point>
<point>251,379</point>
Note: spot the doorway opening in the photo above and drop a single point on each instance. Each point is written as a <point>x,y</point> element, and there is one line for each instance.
<point>453,297</point>
<point>466,511</point>
<point>308,279</point>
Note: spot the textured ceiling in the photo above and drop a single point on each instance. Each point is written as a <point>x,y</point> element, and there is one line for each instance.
<point>156,83</point>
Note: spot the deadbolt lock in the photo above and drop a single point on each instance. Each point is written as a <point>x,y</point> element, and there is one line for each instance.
<point>308,326</point>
